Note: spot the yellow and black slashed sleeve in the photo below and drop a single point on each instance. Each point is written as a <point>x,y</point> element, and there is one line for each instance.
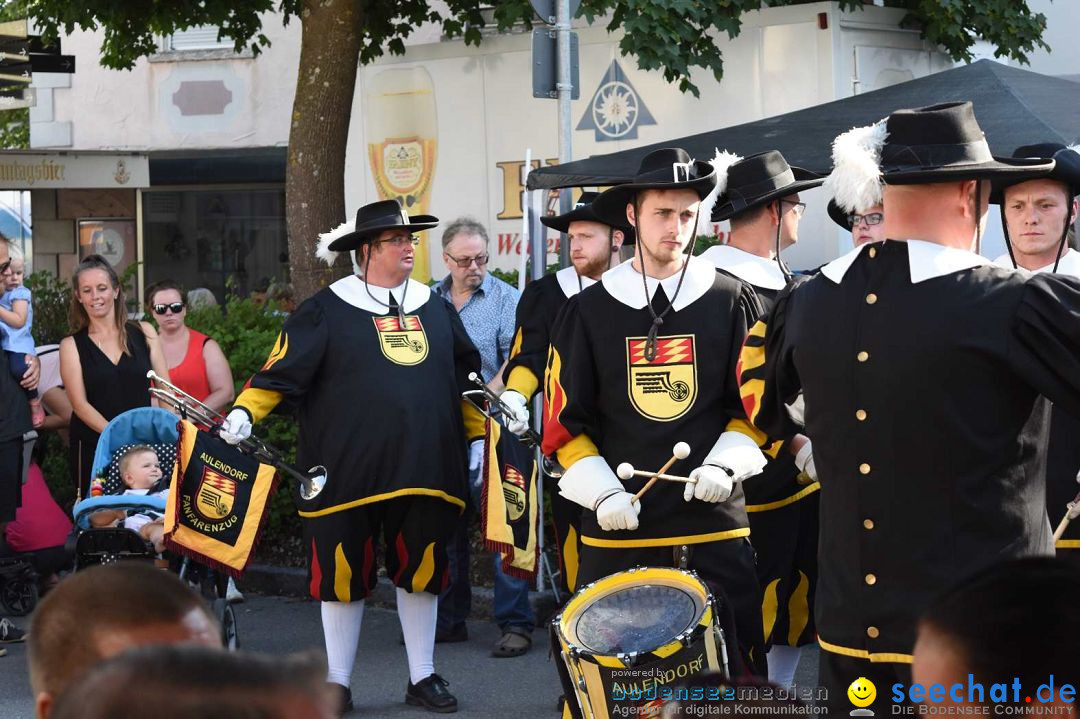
<point>291,364</point>
<point>768,381</point>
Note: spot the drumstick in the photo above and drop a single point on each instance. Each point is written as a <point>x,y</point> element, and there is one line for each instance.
<point>626,471</point>
<point>680,451</point>
<point>1072,513</point>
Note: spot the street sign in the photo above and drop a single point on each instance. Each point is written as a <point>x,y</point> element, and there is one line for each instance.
<point>52,63</point>
<point>33,44</point>
<point>545,68</point>
<point>14,70</point>
<point>545,9</point>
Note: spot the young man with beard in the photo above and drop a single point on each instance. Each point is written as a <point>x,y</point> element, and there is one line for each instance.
<point>594,247</point>
<point>644,359</point>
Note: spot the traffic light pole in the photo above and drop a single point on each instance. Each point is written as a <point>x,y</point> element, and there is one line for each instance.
<point>565,89</point>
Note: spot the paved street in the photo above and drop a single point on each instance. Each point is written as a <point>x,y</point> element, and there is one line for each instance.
<point>485,686</point>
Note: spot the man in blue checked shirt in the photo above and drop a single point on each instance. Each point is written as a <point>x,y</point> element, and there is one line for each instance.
<point>487,307</point>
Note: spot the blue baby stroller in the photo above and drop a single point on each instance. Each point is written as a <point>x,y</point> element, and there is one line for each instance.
<point>158,429</point>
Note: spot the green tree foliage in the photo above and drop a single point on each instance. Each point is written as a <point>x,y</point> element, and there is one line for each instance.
<point>672,36</point>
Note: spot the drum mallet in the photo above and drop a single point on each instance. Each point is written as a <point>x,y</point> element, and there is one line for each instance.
<point>1073,511</point>
<point>626,471</point>
<point>681,450</point>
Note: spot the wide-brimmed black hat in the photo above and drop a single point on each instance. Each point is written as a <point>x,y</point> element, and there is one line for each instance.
<point>758,180</point>
<point>1066,168</point>
<point>375,218</point>
<point>944,142</point>
<point>668,169</point>
<point>584,211</point>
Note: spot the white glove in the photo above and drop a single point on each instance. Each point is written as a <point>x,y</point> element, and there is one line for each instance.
<point>616,511</point>
<point>713,484</point>
<point>476,454</point>
<point>804,460</point>
<point>520,407</point>
<point>738,453</point>
<point>236,427</point>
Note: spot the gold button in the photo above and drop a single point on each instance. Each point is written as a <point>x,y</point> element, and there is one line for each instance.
<point>873,252</point>
<point>868,523</point>
<point>871,298</point>
<point>864,468</point>
<point>863,356</point>
<point>860,415</point>
<point>871,579</point>
<point>872,632</point>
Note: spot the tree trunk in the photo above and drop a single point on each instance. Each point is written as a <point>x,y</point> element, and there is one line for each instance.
<point>314,178</point>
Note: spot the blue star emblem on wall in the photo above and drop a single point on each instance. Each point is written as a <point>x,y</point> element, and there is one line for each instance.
<point>616,110</point>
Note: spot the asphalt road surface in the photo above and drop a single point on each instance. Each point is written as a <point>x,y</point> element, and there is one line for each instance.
<point>523,687</point>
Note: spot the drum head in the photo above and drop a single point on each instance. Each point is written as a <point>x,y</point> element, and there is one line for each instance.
<point>637,618</point>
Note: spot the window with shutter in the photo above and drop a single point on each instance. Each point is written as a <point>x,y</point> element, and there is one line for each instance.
<point>202,37</point>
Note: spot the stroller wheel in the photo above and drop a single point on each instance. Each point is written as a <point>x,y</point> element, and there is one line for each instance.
<point>226,615</point>
<point>19,596</point>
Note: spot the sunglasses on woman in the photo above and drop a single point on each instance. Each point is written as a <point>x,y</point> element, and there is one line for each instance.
<point>175,307</point>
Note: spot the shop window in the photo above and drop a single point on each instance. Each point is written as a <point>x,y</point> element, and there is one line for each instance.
<point>231,240</point>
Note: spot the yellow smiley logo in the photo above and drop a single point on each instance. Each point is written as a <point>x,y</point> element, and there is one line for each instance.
<point>862,692</point>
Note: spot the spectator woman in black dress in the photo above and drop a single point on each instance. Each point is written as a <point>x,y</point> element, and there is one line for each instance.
<point>104,362</point>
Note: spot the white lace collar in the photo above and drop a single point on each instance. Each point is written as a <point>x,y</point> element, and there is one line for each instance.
<point>926,260</point>
<point>758,271</point>
<point>570,282</point>
<point>351,289</point>
<point>624,283</point>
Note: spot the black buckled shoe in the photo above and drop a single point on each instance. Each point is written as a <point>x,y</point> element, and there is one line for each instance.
<point>432,694</point>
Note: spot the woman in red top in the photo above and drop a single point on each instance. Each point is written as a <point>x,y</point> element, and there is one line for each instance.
<point>196,363</point>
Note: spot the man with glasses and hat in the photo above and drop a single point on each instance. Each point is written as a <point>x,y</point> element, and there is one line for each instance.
<point>486,306</point>
<point>1037,217</point>
<point>643,359</point>
<point>922,367</point>
<point>761,200</point>
<point>376,364</point>
<point>594,248</point>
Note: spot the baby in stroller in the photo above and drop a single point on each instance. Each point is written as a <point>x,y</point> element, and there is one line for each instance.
<point>140,472</point>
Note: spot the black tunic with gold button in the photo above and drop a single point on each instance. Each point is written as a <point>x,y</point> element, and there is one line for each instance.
<point>923,402</point>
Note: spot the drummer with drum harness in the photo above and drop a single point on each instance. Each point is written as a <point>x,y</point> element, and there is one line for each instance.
<point>594,245</point>
<point>640,360</point>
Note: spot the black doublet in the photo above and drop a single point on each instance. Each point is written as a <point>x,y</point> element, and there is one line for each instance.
<point>923,402</point>
<point>382,428</point>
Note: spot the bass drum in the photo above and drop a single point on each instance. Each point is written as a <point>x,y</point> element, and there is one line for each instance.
<point>626,636</point>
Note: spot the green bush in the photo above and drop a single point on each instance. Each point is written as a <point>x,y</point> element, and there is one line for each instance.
<point>51,297</point>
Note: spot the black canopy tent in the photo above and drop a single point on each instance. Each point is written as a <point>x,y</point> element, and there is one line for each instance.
<point>1014,107</point>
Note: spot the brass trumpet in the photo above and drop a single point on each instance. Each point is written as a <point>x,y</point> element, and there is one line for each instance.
<point>311,482</point>
<point>491,406</point>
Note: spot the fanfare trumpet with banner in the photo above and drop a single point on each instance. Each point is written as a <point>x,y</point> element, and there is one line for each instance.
<point>491,406</point>
<point>207,419</point>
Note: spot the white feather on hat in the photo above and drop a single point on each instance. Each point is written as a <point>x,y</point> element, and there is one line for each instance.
<point>855,180</point>
<point>323,251</point>
<point>720,162</point>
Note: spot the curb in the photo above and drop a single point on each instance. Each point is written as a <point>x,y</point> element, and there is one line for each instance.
<point>292,582</point>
